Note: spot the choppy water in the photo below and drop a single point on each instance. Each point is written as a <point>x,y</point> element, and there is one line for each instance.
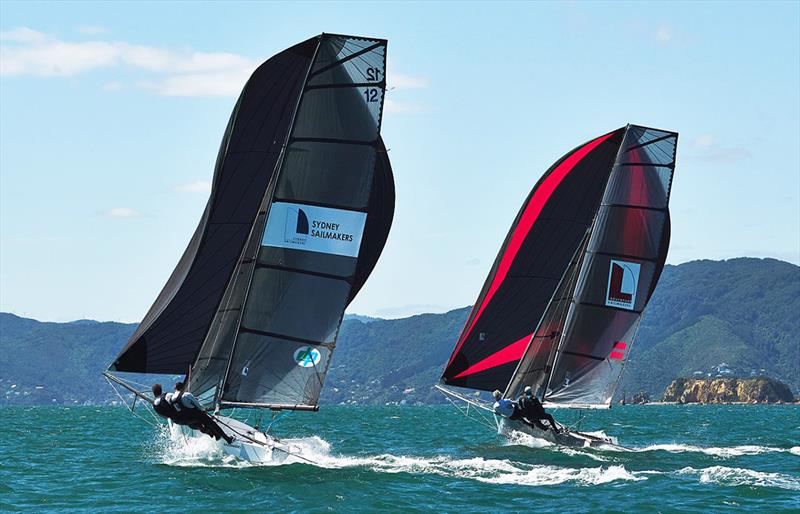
<point>685,458</point>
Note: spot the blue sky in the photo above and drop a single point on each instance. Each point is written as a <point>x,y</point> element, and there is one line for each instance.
<point>111,116</point>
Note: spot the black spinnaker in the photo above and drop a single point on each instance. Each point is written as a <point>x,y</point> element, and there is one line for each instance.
<point>561,305</point>
<point>300,210</point>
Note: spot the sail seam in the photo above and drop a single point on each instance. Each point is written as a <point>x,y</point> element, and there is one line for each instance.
<point>283,336</point>
<point>278,267</point>
<point>345,59</point>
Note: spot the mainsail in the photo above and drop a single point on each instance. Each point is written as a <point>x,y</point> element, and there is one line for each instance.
<point>561,305</point>
<point>301,206</point>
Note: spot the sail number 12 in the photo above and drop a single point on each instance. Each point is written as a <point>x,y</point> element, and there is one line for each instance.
<point>371,94</point>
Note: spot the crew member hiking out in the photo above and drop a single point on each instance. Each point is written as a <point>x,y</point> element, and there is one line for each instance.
<point>189,412</point>
<point>532,410</point>
<point>505,407</point>
<point>161,404</point>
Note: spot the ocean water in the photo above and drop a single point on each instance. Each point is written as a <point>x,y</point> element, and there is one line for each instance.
<point>395,459</point>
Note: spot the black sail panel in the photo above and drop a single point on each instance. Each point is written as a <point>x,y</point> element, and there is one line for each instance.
<point>537,360</point>
<point>325,227</point>
<point>379,219</point>
<point>620,269</point>
<point>170,335</point>
<point>535,255</point>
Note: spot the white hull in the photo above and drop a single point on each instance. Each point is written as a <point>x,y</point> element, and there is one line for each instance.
<point>249,444</point>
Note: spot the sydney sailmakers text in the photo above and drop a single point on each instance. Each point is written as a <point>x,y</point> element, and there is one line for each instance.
<point>314,229</point>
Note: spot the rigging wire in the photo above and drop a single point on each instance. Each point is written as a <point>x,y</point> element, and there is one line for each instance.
<point>155,424</point>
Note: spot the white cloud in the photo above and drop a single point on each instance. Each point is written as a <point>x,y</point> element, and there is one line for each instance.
<point>114,85</point>
<point>664,34</point>
<point>173,72</point>
<point>200,186</point>
<point>177,72</point>
<point>401,107</point>
<point>400,81</point>
<point>92,30</point>
<point>122,212</point>
<point>199,84</point>
<point>707,148</point>
<point>22,35</point>
<point>704,141</point>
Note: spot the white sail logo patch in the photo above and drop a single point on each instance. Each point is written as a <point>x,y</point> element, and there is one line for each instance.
<point>307,356</point>
<point>314,229</point>
<point>623,280</point>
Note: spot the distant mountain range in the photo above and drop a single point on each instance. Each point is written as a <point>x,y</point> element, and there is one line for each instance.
<point>743,313</point>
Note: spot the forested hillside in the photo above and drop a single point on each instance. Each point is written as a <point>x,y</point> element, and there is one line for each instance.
<point>744,313</point>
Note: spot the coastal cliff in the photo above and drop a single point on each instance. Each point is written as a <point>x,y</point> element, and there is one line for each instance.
<point>728,390</point>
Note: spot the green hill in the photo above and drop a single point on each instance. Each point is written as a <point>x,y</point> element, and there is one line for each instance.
<point>741,312</point>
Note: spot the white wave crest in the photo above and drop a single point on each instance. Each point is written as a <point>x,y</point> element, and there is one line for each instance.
<point>724,452</point>
<point>549,475</point>
<point>723,475</point>
<point>516,437</point>
<point>795,450</point>
<point>192,451</point>
<point>205,452</point>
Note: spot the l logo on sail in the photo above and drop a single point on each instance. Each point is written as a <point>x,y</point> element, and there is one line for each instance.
<point>623,279</point>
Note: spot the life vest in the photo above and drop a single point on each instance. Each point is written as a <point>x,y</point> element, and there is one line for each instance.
<point>164,408</point>
<point>531,408</point>
<point>183,414</point>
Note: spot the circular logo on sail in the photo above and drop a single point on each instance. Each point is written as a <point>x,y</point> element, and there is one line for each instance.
<point>307,356</point>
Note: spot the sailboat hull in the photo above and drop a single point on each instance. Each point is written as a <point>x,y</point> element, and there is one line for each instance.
<point>566,437</point>
<point>249,445</point>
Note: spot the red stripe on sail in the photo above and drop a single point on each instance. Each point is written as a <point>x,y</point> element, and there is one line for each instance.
<point>529,216</point>
<point>620,345</point>
<point>508,354</point>
<point>616,355</point>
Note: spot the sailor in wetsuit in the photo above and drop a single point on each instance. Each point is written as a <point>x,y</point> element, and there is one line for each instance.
<point>160,404</point>
<point>184,409</point>
<point>505,407</point>
<point>532,410</point>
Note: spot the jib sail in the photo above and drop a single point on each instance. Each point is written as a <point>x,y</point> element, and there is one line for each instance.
<point>322,224</point>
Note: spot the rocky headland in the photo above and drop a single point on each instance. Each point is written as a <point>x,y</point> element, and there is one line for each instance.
<point>728,390</point>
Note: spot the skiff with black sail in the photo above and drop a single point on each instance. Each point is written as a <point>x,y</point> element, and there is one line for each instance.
<point>562,302</point>
<point>300,209</point>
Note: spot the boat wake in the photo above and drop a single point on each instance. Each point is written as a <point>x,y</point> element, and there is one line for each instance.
<point>313,450</point>
<point>722,475</point>
<point>723,452</point>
